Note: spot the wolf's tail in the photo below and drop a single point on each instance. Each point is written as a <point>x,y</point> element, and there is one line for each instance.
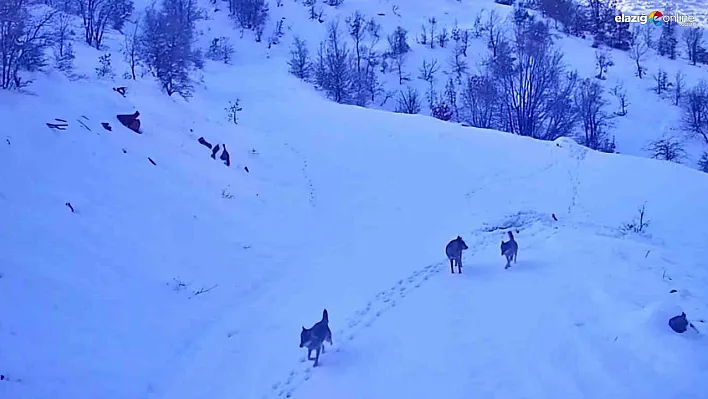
<point>511,235</point>
<point>325,316</point>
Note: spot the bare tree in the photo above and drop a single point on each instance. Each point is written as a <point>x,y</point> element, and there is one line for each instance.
<point>703,163</point>
<point>98,14</point>
<point>220,49</point>
<point>423,39</point>
<point>356,25</point>
<point>621,94</point>
<point>480,102</point>
<point>477,25</point>
<point>450,95</point>
<point>638,51</point>
<point>464,41</point>
<point>23,41</point>
<point>167,44</point>
<point>373,59</point>
<point>603,60</point>
<point>63,35</point>
<point>250,14</point>
<point>333,71</point>
<point>428,70</point>
<point>695,113</point>
<point>647,33</point>
<point>661,78</point>
<point>433,26</point>
<point>398,51</point>
<point>693,39</point>
<point>590,107</point>
<point>667,149</point>
<point>131,49</point>
<point>679,85</point>
<point>527,71</point>
<point>63,43</point>
<point>492,28</point>
<point>408,101</point>
<point>300,59</point>
<point>443,38</point>
<point>667,41</point>
<point>561,113</point>
<point>359,30</point>
<point>458,64</point>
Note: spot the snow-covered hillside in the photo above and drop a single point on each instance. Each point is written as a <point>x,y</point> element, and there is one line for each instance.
<point>135,266</point>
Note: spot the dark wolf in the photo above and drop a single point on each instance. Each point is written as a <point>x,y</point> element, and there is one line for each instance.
<point>509,249</point>
<point>453,250</point>
<point>315,337</point>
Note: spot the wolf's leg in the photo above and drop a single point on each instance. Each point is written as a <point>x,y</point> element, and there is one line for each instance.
<point>323,350</point>
<point>452,269</point>
<point>317,357</point>
<point>459,265</point>
<point>515,253</point>
<point>309,354</point>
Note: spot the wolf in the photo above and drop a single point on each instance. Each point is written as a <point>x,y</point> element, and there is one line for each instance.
<point>315,337</point>
<point>453,250</point>
<point>509,249</point>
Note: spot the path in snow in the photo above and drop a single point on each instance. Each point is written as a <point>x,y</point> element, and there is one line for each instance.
<point>568,321</point>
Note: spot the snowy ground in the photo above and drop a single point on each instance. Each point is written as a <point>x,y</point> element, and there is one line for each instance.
<point>343,208</point>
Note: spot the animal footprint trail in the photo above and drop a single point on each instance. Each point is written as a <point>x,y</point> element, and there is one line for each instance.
<point>362,319</point>
<point>305,174</point>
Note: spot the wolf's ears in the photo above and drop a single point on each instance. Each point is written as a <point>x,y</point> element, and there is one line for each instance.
<point>303,328</point>
<point>459,238</point>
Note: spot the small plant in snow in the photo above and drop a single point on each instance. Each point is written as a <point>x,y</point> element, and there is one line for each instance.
<point>639,224</point>
<point>394,9</point>
<point>443,38</point>
<point>277,34</point>
<point>105,69</point>
<point>226,195</point>
<point>179,284</point>
<point>220,50</point>
<point>233,109</point>
<point>65,62</point>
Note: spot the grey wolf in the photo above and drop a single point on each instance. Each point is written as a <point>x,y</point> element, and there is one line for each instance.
<point>509,249</point>
<point>315,337</point>
<point>453,250</point>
